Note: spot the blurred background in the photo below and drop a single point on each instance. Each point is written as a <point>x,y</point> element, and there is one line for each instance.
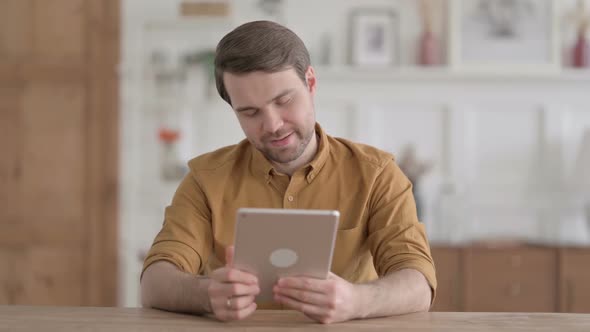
<point>484,103</point>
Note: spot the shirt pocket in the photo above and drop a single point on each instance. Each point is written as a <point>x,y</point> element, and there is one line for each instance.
<point>347,250</point>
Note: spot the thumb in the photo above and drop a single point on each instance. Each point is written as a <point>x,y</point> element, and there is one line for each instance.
<point>332,276</point>
<point>229,256</point>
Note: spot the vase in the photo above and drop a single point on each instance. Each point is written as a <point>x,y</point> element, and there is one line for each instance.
<point>428,49</point>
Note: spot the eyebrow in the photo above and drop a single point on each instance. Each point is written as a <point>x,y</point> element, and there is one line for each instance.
<point>282,94</point>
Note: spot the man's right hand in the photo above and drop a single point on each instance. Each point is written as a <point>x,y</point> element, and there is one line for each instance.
<point>231,291</point>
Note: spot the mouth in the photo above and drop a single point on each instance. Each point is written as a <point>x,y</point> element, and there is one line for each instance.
<point>282,141</point>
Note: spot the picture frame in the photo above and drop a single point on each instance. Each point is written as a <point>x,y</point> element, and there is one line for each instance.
<point>374,37</point>
<point>524,38</point>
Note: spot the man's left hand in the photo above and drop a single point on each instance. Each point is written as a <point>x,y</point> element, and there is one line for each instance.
<point>326,301</point>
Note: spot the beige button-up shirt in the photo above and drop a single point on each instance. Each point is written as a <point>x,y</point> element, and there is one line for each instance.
<point>379,231</point>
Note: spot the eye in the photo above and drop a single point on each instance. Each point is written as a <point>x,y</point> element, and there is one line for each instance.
<point>249,113</point>
<point>284,100</point>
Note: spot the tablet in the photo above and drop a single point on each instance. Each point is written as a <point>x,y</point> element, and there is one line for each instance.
<point>272,243</point>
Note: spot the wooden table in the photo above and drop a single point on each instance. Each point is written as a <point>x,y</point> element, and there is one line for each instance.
<point>37,318</point>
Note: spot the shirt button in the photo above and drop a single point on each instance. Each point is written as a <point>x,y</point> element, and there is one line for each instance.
<point>290,198</point>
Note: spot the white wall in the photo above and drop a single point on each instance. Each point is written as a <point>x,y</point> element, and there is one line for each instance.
<point>504,144</point>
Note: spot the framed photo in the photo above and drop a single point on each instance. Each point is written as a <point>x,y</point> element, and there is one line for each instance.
<point>374,37</point>
<point>511,35</point>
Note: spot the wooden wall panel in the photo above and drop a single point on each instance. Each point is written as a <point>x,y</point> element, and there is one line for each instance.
<point>60,30</point>
<point>16,28</point>
<point>10,167</point>
<point>54,162</point>
<point>42,276</point>
<point>52,276</point>
<point>59,140</point>
<point>103,43</point>
<point>9,288</point>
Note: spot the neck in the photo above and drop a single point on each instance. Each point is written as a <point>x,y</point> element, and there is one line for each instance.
<point>308,154</point>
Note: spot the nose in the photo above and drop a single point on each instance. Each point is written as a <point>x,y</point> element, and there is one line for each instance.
<point>272,121</point>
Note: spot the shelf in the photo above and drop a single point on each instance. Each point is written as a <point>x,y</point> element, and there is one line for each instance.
<point>349,73</point>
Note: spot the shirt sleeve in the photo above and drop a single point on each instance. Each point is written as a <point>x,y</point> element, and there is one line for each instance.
<point>185,239</point>
<point>396,238</point>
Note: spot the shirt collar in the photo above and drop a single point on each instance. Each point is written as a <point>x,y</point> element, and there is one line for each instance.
<point>321,156</point>
<point>262,167</point>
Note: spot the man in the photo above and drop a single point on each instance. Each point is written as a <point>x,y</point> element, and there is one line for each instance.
<point>382,264</point>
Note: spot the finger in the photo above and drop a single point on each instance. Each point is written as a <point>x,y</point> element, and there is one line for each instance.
<point>243,313</point>
<point>240,302</point>
<point>333,276</point>
<point>236,289</point>
<point>304,283</point>
<point>317,318</point>
<point>240,314</point>
<point>229,275</point>
<point>220,292</point>
<point>306,308</point>
<point>229,255</point>
<point>305,296</point>
<point>221,304</point>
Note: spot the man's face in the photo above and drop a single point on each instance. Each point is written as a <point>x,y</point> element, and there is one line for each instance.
<point>275,111</point>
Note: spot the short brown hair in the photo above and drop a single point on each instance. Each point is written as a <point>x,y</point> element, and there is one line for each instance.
<point>259,46</point>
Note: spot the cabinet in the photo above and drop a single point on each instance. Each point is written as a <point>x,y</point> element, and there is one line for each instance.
<point>575,280</point>
<point>512,279</point>
<point>449,277</point>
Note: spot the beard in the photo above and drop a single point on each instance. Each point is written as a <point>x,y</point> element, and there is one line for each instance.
<point>283,155</point>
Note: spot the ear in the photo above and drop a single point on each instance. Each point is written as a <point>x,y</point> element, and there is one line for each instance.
<point>311,80</point>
